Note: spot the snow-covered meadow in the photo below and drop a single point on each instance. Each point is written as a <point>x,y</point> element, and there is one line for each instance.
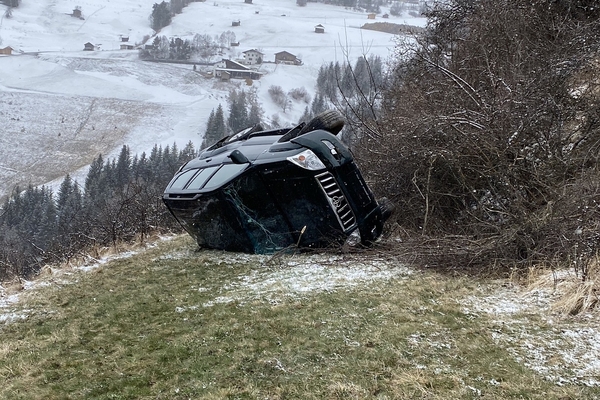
<point>62,106</point>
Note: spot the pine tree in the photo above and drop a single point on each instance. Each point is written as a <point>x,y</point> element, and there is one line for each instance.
<point>347,83</point>
<point>238,113</point>
<point>123,168</point>
<point>219,123</point>
<point>306,116</point>
<point>68,208</point>
<point>93,181</point>
<point>255,115</point>
<point>215,128</point>
<point>376,70</point>
<point>363,75</point>
<point>187,153</point>
<point>209,136</point>
<point>318,104</point>
<point>161,15</point>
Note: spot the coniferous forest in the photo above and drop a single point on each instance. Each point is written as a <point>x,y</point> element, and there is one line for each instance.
<point>120,200</point>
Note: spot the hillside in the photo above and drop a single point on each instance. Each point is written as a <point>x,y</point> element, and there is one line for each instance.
<point>164,320</point>
<point>167,321</point>
<point>65,106</point>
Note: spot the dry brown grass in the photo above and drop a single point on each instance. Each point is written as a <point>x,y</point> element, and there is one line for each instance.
<point>571,294</point>
<point>578,295</point>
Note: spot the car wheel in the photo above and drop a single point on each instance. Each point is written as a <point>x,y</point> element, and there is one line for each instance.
<point>329,120</point>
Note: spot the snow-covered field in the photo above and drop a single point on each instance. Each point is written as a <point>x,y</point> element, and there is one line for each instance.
<point>62,106</point>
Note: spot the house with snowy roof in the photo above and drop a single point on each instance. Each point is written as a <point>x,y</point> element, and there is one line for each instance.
<point>229,69</point>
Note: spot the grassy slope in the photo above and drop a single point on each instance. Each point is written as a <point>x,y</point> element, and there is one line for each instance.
<point>149,327</point>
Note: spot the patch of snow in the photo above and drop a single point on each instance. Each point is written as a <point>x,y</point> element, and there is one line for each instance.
<point>564,352</point>
<point>299,277</point>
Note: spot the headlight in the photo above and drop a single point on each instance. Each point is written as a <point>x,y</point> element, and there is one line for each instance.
<point>307,160</point>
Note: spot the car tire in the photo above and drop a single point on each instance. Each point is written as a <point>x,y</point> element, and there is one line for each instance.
<point>329,120</point>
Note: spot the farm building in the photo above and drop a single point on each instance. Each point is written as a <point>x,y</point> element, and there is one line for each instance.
<point>228,69</point>
<point>7,51</point>
<point>283,57</point>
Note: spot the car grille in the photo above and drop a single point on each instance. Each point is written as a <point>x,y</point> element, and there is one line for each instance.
<point>337,200</point>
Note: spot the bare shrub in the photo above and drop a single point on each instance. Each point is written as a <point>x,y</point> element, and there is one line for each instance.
<point>279,97</point>
<point>300,94</point>
<point>491,122</point>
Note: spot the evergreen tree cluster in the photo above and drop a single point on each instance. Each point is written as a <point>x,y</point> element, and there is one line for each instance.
<point>336,81</point>
<point>11,3</point>
<point>244,111</point>
<point>354,90</point>
<point>120,201</point>
<point>366,5</point>
<point>161,15</point>
<point>202,47</point>
<point>215,128</point>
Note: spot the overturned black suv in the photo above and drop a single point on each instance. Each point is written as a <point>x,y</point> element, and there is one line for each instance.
<point>261,191</point>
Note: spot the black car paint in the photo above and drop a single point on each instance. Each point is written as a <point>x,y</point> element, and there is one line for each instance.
<point>271,203</point>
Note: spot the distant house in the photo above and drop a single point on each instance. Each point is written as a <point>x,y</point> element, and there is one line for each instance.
<point>229,69</point>
<point>385,15</point>
<point>236,23</point>
<point>127,46</point>
<point>124,38</point>
<point>252,57</point>
<point>234,44</point>
<point>371,16</point>
<point>248,1</point>
<point>89,47</point>
<point>6,51</point>
<point>319,29</point>
<point>283,57</point>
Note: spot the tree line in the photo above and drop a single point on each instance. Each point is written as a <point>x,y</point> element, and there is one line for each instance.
<point>244,111</point>
<point>163,12</point>
<point>120,200</point>
<point>366,5</point>
<point>355,89</point>
<point>202,47</point>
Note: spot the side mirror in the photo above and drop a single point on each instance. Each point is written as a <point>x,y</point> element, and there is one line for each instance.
<point>238,158</point>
